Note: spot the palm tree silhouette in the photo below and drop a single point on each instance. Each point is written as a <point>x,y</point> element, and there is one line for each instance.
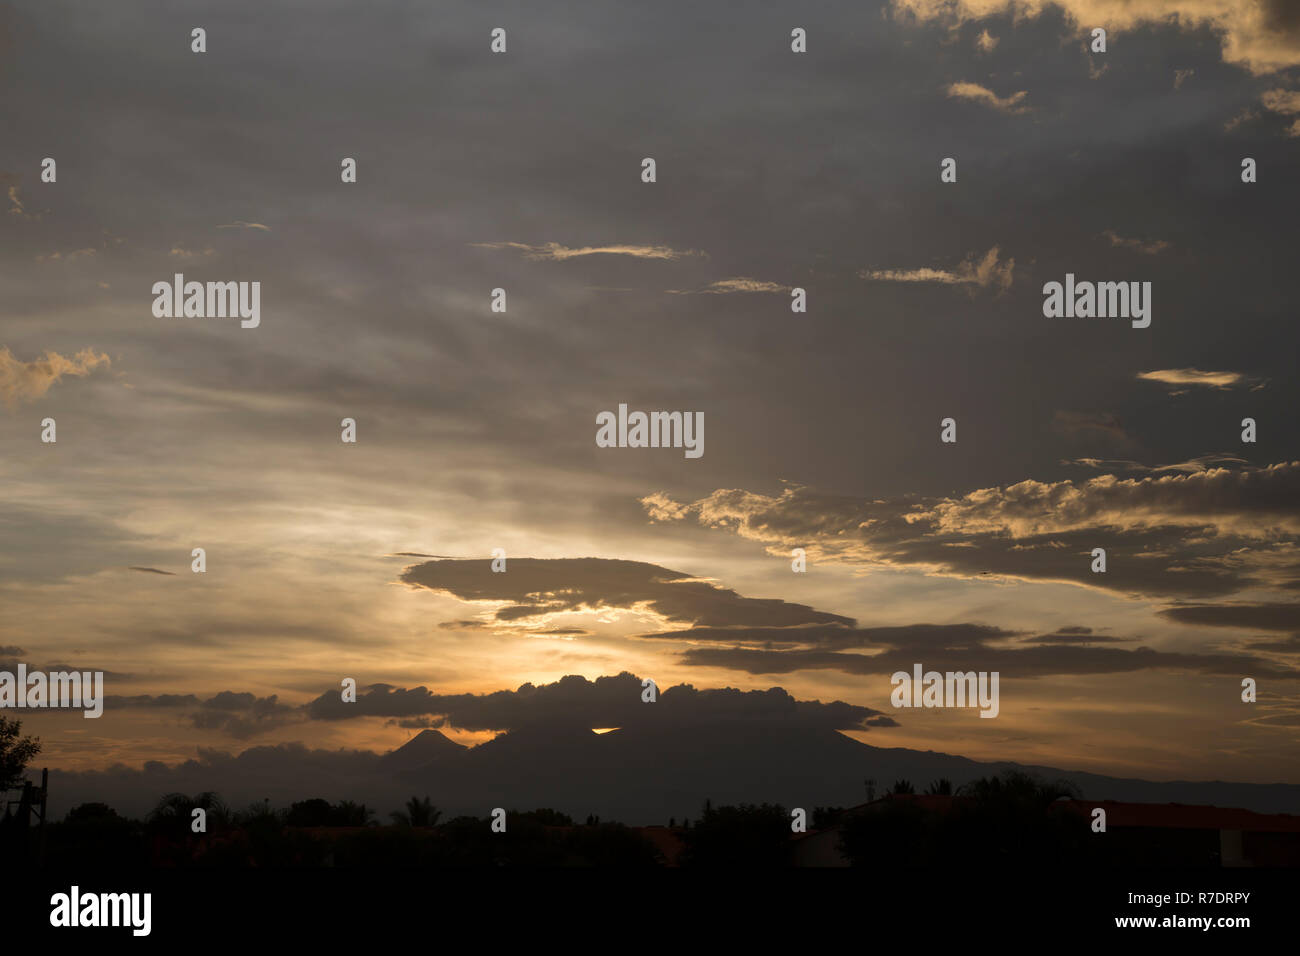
<point>175,811</point>
<point>418,813</point>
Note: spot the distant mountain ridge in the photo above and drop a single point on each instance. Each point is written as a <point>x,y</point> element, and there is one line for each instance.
<point>646,775</point>
<point>637,775</point>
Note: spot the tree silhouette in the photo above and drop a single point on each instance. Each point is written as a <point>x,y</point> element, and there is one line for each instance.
<point>418,813</point>
<point>823,817</point>
<point>940,788</point>
<point>903,786</point>
<point>744,835</point>
<point>15,753</point>
<point>91,813</point>
<point>349,814</point>
<point>544,816</point>
<point>174,813</point>
<point>315,812</point>
<point>1010,819</point>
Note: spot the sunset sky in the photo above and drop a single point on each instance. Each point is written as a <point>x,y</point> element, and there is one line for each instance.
<point>476,430</point>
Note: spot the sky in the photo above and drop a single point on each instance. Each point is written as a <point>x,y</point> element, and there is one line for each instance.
<point>476,429</point>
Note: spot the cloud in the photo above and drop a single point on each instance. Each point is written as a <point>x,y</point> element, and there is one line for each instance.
<point>1191,466</point>
<point>985,42</point>
<point>1244,116</point>
<point>152,701</point>
<point>1073,635</point>
<point>1257,617</point>
<point>755,635</point>
<point>917,637</point>
<point>535,587</point>
<point>27,381</point>
<point>555,252</point>
<point>1211,532</point>
<point>985,96</point>
<point>16,206</point>
<point>986,273</point>
<point>1049,658</point>
<point>151,570</point>
<point>574,701</point>
<point>1073,650</point>
<point>243,715</point>
<point>1182,76</point>
<point>240,224</point>
<point>1261,36</point>
<point>1285,102</point>
<point>727,286</point>
<point>236,714</point>
<point>1149,248</point>
<point>60,256</point>
<point>180,253</point>
<point>1284,645</point>
<point>1192,376</point>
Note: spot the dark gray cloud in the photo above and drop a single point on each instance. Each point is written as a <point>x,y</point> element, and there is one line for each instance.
<point>838,637</point>
<point>535,586</point>
<point>237,714</point>
<point>767,636</point>
<point>1026,662</point>
<point>1074,635</point>
<point>1284,645</point>
<point>1072,650</point>
<point>1257,617</point>
<point>573,701</point>
<point>605,702</point>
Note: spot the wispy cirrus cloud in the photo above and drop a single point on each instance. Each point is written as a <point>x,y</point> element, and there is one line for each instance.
<point>1191,466</point>
<point>66,256</point>
<point>988,272</point>
<point>729,286</point>
<point>1192,376</point>
<point>1147,247</point>
<point>556,252</point>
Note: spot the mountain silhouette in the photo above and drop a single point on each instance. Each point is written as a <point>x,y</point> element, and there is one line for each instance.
<point>642,774</point>
<point>647,774</point>
<point>426,748</point>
